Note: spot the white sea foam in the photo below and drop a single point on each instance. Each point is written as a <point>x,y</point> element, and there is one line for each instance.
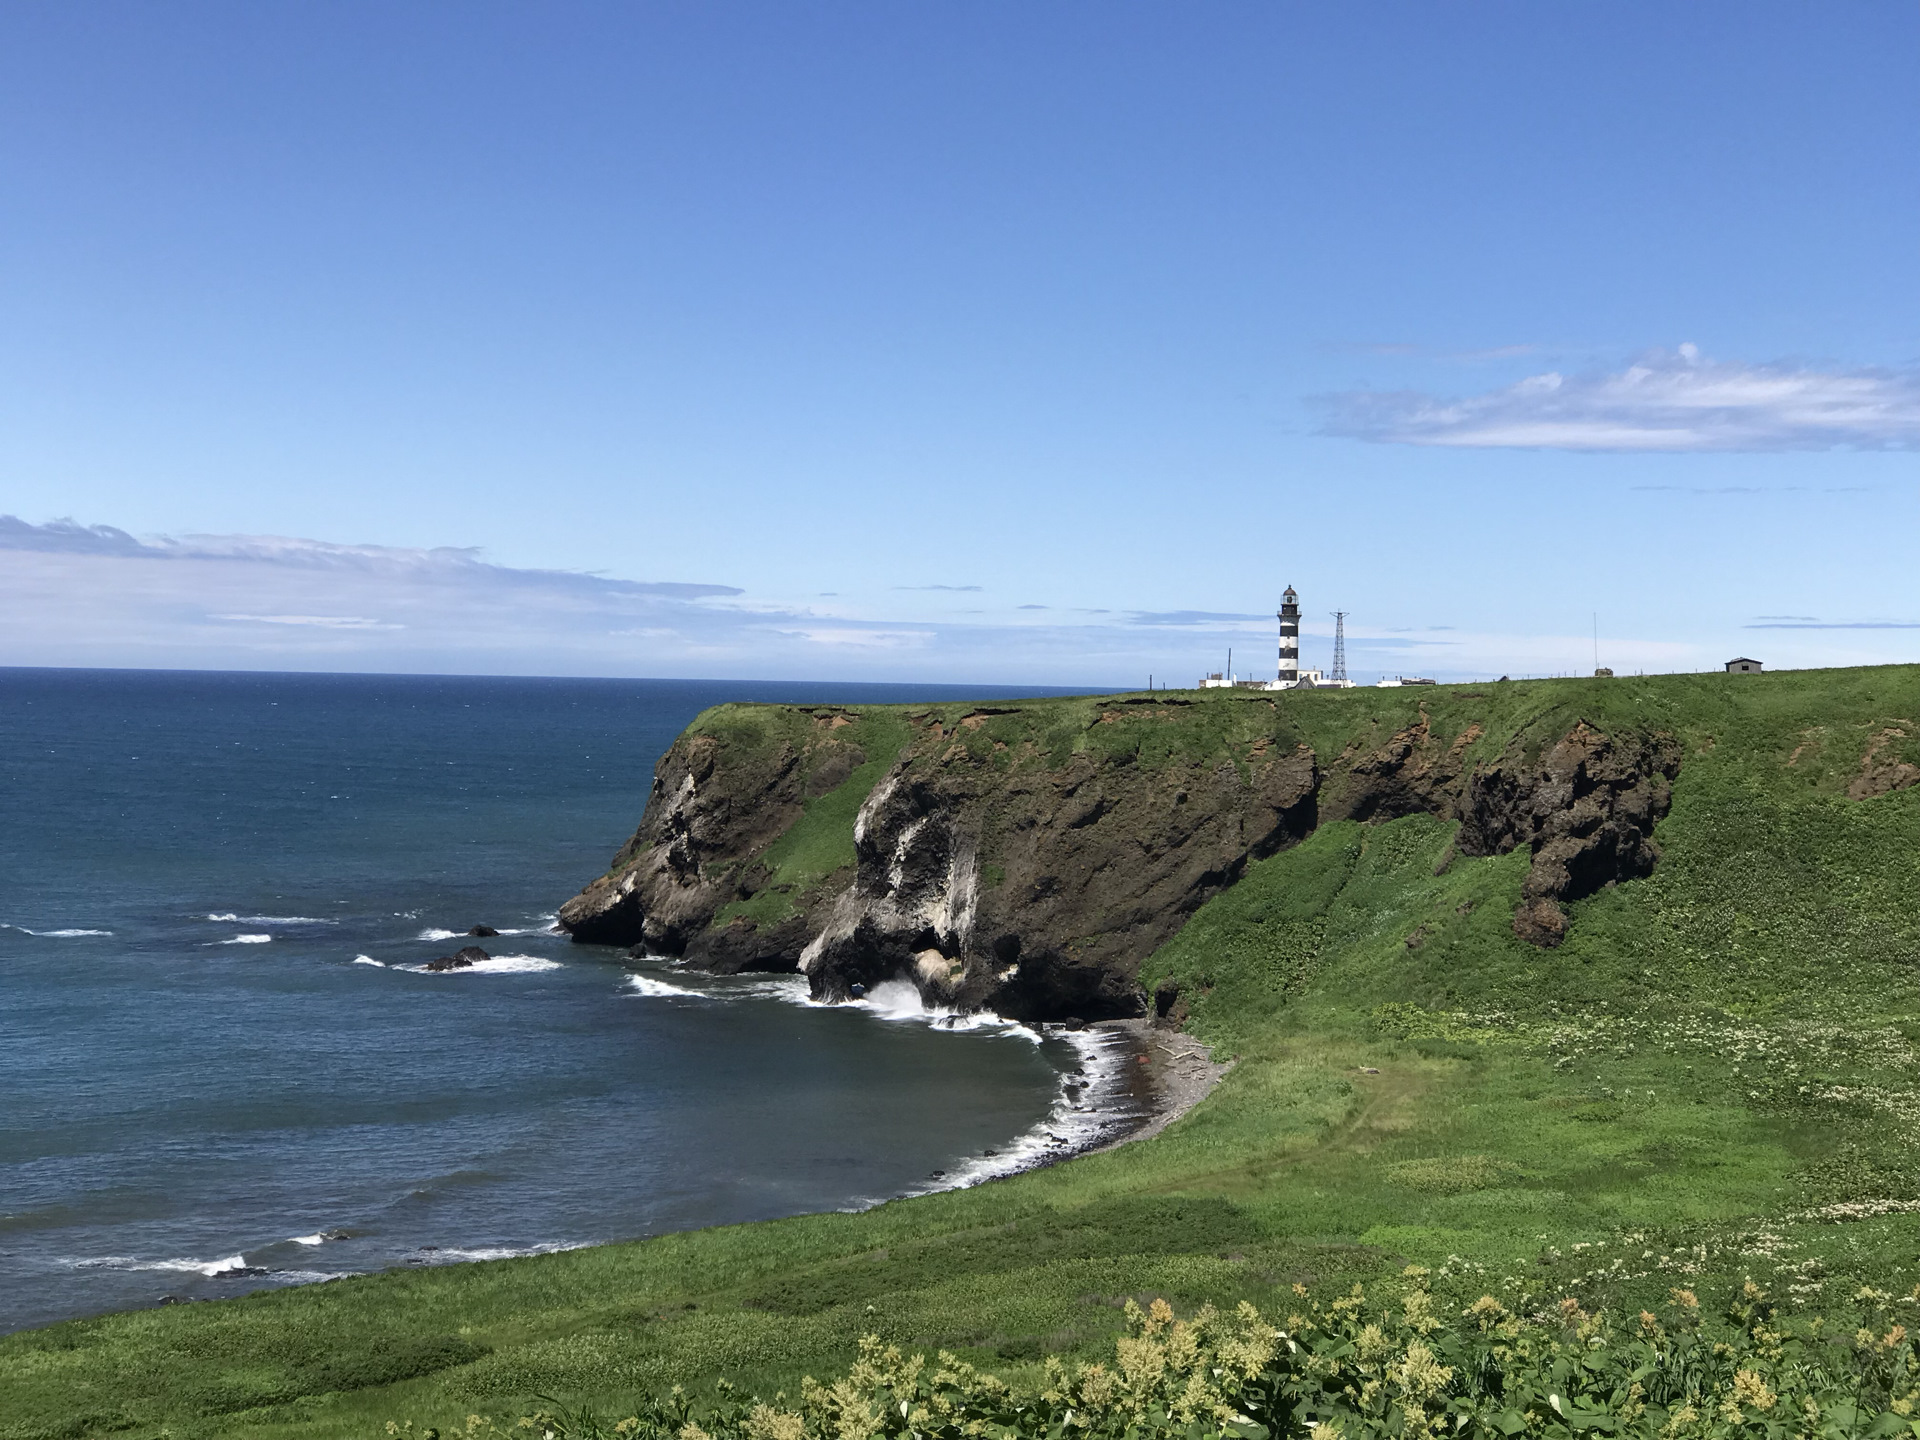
<point>229,918</point>
<point>209,1268</point>
<point>1090,1108</point>
<point>308,1240</point>
<point>661,989</point>
<point>369,960</point>
<point>55,934</point>
<point>433,932</point>
<point>248,940</point>
<point>454,1255</point>
<point>792,989</point>
<point>496,965</point>
<point>1091,1103</point>
<point>899,1001</point>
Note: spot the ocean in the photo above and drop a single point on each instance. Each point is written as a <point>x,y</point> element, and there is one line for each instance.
<point>222,1066</point>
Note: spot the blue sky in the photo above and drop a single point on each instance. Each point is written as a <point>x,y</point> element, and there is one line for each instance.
<point>998,342</point>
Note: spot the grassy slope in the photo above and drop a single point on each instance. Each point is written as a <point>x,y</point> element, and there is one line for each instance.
<point>1715,1056</point>
<point>819,845</point>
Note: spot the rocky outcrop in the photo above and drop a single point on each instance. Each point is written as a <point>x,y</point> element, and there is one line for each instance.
<point>1032,874</point>
<point>1586,808</point>
<point>705,827</point>
<point>1039,895</point>
<point>1882,770</point>
<point>464,958</point>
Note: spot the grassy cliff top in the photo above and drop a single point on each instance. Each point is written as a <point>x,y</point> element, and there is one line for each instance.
<point>1716,1076</point>
<point>1808,730</point>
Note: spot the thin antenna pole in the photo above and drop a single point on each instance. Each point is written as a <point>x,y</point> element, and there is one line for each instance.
<point>1339,671</point>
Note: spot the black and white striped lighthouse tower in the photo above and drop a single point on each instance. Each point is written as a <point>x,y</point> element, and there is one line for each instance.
<point>1289,639</point>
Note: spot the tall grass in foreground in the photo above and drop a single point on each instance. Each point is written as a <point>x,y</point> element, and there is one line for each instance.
<point>1351,1368</point>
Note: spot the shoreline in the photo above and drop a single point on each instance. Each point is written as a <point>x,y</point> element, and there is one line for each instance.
<point>1135,1078</point>
<point>1180,1072</point>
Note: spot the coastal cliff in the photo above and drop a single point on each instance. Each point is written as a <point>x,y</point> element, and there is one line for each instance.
<point>1027,857</point>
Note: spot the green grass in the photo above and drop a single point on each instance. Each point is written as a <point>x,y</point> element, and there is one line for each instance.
<point>819,845</point>
<point>1715,1076</point>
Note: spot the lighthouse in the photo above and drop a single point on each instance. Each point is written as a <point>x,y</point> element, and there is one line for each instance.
<point>1289,675</point>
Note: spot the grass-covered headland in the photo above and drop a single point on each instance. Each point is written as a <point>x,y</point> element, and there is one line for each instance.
<point>1593,1151</point>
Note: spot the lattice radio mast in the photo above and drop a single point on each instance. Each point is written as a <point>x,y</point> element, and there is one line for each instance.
<point>1339,671</point>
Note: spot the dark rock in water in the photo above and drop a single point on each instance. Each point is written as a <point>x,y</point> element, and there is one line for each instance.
<point>483,932</point>
<point>239,1272</point>
<point>175,1300</point>
<point>461,959</point>
<point>336,1234</point>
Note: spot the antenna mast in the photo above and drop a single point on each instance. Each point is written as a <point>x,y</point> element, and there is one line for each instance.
<point>1339,671</point>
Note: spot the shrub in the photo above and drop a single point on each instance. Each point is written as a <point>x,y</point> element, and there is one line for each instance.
<point>1352,1369</point>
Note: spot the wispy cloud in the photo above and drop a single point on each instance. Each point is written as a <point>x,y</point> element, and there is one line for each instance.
<point>1833,625</point>
<point>77,594</point>
<point>324,622</point>
<point>1192,617</point>
<point>446,564</point>
<point>958,589</point>
<point>1675,400</point>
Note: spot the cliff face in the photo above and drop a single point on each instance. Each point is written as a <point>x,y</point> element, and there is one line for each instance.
<point>1027,858</point>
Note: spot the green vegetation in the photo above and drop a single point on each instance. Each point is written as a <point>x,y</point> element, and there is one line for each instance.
<point>820,843</point>
<point>1714,1079</point>
<point>1354,1367</point>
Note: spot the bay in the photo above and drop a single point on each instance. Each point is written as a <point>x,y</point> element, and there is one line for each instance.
<point>221,1069</point>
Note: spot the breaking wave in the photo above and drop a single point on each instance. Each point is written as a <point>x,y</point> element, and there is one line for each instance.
<point>1093,1103</point>
<point>454,1254</point>
<point>212,1269</point>
<point>229,918</point>
<point>496,965</point>
<point>54,934</point>
<point>662,989</point>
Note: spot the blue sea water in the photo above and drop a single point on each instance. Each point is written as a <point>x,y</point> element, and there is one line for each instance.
<point>221,1067</point>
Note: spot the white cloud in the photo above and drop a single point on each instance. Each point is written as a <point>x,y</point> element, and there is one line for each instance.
<point>73,595</point>
<point>1668,400</point>
<point>325,622</point>
<point>866,639</point>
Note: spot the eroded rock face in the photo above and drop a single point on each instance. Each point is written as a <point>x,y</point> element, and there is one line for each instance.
<point>1882,771</point>
<point>1039,895</point>
<point>702,825</point>
<point>1037,888</point>
<point>1586,809</point>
